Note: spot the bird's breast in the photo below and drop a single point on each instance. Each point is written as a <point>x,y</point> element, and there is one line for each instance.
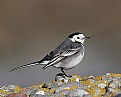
<point>72,61</point>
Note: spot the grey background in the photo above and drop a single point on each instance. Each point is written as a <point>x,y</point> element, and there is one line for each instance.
<point>29,29</point>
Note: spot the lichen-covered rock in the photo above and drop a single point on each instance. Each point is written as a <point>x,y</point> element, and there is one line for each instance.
<point>77,92</point>
<point>108,85</point>
<point>9,89</point>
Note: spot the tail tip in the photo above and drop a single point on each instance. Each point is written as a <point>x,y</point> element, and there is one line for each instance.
<point>44,68</point>
<point>11,70</point>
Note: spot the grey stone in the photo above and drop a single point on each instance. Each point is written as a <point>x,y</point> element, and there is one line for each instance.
<point>77,92</point>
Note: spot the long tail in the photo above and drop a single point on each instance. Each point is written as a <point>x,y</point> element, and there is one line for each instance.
<point>26,65</point>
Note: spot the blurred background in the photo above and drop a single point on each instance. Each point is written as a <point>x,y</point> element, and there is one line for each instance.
<point>29,29</point>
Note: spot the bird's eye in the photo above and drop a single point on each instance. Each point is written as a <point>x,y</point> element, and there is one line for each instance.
<point>78,37</point>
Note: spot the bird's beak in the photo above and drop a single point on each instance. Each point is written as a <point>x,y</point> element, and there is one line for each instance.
<point>87,37</point>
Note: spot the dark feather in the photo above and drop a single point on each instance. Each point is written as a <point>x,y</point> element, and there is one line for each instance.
<point>66,49</point>
<point>26,65</point>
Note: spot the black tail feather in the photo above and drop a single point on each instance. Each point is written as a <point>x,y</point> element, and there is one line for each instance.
<point>26,65</point>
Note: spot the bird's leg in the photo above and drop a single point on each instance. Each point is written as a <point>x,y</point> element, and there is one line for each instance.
<point>65,73</point>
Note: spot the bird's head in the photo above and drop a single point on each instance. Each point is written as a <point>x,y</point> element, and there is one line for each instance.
<point>78,37</point>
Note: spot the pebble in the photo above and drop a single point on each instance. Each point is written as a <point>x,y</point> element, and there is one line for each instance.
<point>78,92</point>
<point>114,84</point>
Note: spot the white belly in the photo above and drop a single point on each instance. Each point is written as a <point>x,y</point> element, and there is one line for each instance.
<point>71,62</point>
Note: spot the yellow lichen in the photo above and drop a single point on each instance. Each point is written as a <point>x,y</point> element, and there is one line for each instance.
<point>82,82</point>
<point>96,91</point>
<point>52,90</point>
<point>96,96</point>
<point>75,77</point>
<point>45,89</point>
<point>67,88</point>
<point>73,87</point>
<point>100,82</point>
<point>4,92</point>
<point>17,89</point>
<point>116,75</point>
<point>35,86</point>
<point>40,85</point>
<point>91,90</point>
<point>98,78</point>
<point>87,82</point>
<point>92,84</point>
<point>102,90</point>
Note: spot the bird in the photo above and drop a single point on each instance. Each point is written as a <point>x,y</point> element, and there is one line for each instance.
<point>65,56</point>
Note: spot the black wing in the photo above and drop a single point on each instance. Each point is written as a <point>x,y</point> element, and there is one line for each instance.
<point>60,53</point>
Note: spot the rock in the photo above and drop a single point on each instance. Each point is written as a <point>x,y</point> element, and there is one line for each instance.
<point>108,85</point>
<point>114,84</point>
<point>32,94</point>
<point>118,95</point>
<point>77,92</point>
<point>17,95</point>
<point>59,76</point>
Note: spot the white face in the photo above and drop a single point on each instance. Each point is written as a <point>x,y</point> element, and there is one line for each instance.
<point>78,38</point>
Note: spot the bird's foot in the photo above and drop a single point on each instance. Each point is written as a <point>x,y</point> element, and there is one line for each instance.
<point>62,69</point>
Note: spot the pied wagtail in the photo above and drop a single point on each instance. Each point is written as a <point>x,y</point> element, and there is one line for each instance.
<point>66,56</point>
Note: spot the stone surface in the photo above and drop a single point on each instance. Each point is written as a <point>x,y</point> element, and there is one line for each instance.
<point>17,95</point>
<point>108,85</point>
